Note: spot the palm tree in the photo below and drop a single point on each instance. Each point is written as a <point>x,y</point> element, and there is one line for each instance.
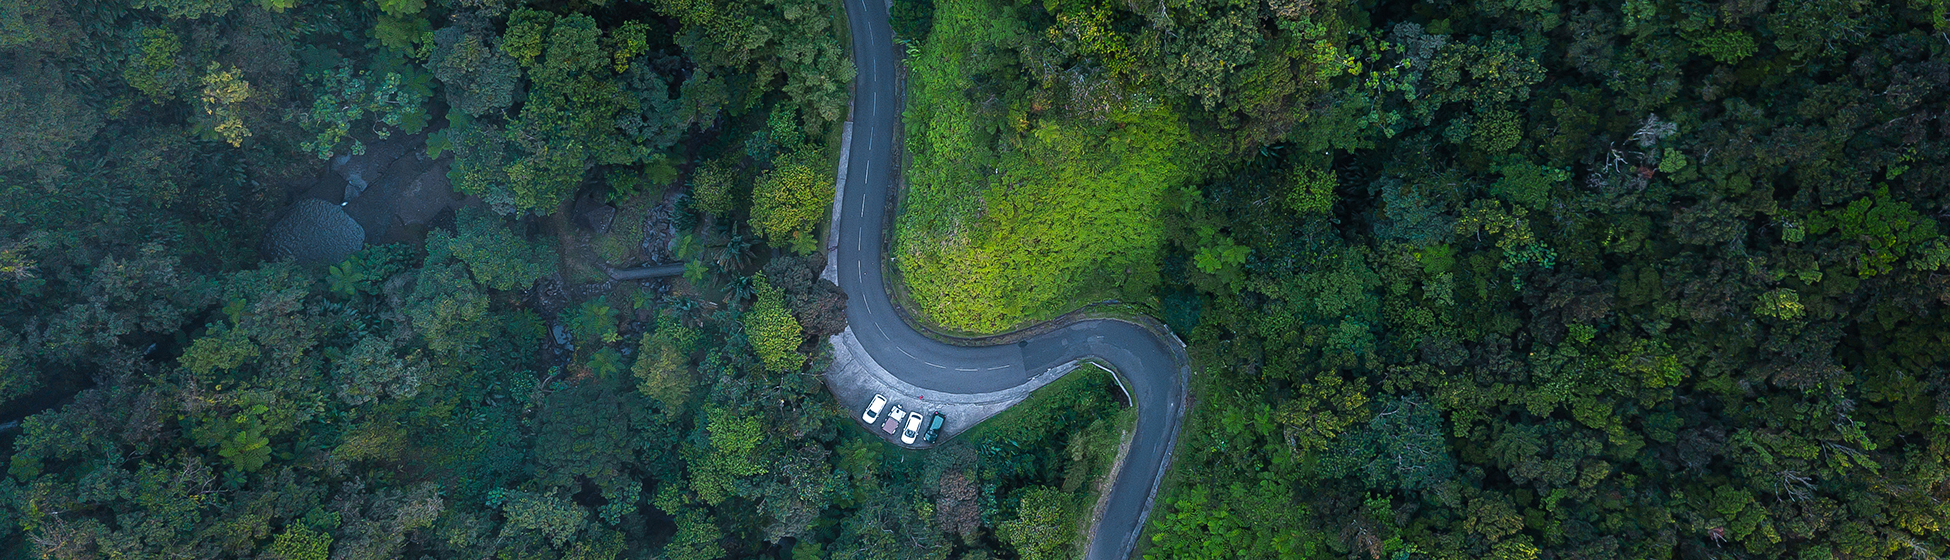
<point>739,290</point>
<point>684,307</point>
<point>737,252</point>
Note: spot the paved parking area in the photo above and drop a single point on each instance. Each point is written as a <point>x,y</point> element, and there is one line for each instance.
<point>855,377</point>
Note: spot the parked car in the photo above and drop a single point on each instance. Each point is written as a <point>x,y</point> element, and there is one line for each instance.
<point>934,427</point>
<point>873,409</point>
<point>894,418</point>
<point>913,428</point>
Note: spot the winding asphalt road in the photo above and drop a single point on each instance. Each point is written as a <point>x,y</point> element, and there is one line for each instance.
<point>1153,369</point>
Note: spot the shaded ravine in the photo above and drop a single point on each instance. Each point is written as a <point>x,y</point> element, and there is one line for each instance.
<point>1151,363</point>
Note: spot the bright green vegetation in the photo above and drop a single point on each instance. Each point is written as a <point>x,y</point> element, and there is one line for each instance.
<point>1022,204</point>
<point>1481,279</point>
<point>791,200</point>
<point>178,397</point>
<point>774,334</point>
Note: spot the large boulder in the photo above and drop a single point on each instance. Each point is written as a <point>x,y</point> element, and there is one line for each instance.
<point>593,214</point>
<point>314,231</point>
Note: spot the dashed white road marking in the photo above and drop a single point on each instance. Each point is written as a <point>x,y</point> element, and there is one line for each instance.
<point>938,366</point>
<point>1003,366</point>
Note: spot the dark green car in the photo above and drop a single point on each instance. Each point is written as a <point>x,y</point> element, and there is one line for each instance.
<point>934,427</point>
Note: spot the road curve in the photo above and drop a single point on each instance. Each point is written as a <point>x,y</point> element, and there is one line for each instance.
<point>1153,369</point>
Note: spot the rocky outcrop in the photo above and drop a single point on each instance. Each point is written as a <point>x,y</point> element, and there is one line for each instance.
<point>314,231</point>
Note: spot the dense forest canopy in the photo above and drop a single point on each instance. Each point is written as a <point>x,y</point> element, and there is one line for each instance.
<point>1478,279</point>
<point>1512,279</point>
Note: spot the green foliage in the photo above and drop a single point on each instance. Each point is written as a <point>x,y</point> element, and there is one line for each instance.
<point>912,20</point>
<point>774,333</point>
<point>1672,161</point>
<point>555,517</point>
<point>223,90</point>
<point>406,34</point>
<point>401,7</point>
<point>299,542</point>
<point>624,242</point>
<point>712,185</point>
<point>1725,47</point>
<point>1485,74</point>
<point>1044,525</point>
<point>789,201</point>
<point>190,401</point>
<point>1219,253</point>
<point>1651,362</point>
<point>696,539</point>
<point>695,271</point>
<point>240,438</point>
<point>1014,215</point>
<point>1402,447</point>
<point>1886,228</point>
<point>782,127</point>
<point>497,256</point>
<point>1780,303</point>
<point>1496,131</point>
<point>1527,183</point>
<point>17,376</point>
<point>1238,521</point>
<point>155,70</point>
<point>1312,191</point>
<point>344,98</point>
<point>569,122</point>
<point>188,9</point>
<point>717,470</point>
<point>663,365</point>
<point>593,321</point>
<point>606,363</point>
<point>370,370</point>
<point>1320,412</point>
<point>477,77</point>
<point>365,271</point>
<point>447,309</point>
<point>224,350</point>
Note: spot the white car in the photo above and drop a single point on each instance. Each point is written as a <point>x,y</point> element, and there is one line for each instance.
<point>873,409</point>
<point>913,428</point>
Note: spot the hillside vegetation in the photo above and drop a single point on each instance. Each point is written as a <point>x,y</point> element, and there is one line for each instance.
<point>1027,197</point>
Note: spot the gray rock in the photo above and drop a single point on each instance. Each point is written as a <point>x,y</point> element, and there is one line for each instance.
<point>355,185</point>
<point>314,231</point>
<point>594,215</point>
